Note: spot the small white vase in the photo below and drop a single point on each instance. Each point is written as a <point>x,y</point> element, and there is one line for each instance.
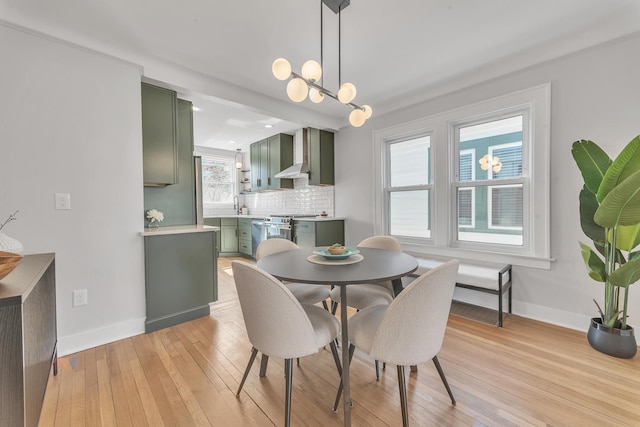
<point>9,244</point>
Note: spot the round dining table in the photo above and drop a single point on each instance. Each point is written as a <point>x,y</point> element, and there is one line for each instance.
<point>372,266</point>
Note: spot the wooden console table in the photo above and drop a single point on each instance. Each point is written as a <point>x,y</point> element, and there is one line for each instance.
<point>28,339</point>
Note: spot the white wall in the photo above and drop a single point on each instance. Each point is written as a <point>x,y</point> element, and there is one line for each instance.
<point>594,95</point>
<point>70,121</point>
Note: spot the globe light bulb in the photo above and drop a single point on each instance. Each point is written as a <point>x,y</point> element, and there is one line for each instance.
<point>281,69</point>
<point>297,90</point>
<point>357,118</point>
<point>368,111</point>
<point>311,70</point>
<point>315,95</point>
<point>347,93</point>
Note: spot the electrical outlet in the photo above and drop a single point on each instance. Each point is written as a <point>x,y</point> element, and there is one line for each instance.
<point>80,297</point>
<point>63,201</point>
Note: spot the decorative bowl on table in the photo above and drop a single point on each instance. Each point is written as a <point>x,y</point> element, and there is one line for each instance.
<point>345,253</point>
<point>8,261</point>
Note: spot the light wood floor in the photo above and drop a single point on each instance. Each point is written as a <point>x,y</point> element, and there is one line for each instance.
<point>524,374</point>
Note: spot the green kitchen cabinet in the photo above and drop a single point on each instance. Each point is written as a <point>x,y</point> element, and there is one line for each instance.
<point>159,135</point>
<point>244,236</point>
<point>180,277</point>
<point>268,157</point>
<point>178,201</point>
<point>216,223</point>
<point>311,234</point>
<point>229,235</point>
<point>320,157</point>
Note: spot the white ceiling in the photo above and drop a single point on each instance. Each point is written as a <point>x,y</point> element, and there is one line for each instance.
<point>396,53</point>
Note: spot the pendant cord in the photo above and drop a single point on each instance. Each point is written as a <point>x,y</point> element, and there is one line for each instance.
<point>321,45</point>
<point>339,47</point>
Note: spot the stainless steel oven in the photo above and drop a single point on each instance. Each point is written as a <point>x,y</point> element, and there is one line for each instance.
<point>278,227</point>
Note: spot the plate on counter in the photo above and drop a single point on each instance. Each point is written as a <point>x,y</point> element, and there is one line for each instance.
<point>323,252</point>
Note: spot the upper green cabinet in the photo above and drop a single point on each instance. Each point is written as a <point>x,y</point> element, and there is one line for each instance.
<point>268,157</point>
<point>320,157</point>
<point>159,135</point>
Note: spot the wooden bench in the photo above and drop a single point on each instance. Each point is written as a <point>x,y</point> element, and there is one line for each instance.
<point>489,278</point>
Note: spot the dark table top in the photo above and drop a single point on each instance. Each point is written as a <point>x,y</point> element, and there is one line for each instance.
<point>377,265</point>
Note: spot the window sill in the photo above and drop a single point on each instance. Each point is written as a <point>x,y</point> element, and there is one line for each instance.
<point>474,255</point>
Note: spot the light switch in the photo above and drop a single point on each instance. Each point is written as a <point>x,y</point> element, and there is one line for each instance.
<point>63,201</point>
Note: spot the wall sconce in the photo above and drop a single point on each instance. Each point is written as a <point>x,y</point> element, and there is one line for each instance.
<point>239,159</point>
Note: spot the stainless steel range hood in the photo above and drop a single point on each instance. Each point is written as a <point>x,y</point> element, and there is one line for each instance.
<point>298,170</point>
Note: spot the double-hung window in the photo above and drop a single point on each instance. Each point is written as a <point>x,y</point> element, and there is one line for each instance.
<point>218,181</point>
<point>469,183</point>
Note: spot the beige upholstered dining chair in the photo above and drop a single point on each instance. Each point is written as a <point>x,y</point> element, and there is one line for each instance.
<point>304,292</point>
<point>410,330</point>
<point>289,331</point>
<point>366,295</point>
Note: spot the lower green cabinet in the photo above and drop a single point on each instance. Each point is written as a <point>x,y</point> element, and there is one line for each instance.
<point>234,237</point>
<point>311,234</point>
<point>180,277</point>
<point>229,235</point>
<point>244,236</point>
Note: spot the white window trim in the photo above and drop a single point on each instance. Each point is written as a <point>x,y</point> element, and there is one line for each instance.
<point>439,126</point>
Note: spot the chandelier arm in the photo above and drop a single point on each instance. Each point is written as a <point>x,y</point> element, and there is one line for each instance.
<point>324,91</point>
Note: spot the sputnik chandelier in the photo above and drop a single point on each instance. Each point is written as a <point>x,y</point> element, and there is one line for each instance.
<point>309,81</point>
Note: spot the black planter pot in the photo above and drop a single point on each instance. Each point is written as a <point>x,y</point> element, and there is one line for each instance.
<point>612,341</point>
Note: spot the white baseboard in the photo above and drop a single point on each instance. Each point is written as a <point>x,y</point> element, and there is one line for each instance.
<point>96,337</point>
<point>579,322</point>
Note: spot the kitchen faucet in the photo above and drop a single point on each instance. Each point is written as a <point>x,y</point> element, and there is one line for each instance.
<point>236,204</point>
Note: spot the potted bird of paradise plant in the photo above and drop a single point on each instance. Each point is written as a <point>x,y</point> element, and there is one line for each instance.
<point>610,217</point>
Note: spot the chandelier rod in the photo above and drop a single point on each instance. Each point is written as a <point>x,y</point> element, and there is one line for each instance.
<point>325,91</point>
<point>339,46</point>
<point>321,42</point>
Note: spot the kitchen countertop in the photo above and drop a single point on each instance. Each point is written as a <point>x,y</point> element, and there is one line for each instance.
<point>178,229</point>
<point>305,218</point>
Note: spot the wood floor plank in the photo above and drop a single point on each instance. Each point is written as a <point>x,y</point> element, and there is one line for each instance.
<point>527,373</point>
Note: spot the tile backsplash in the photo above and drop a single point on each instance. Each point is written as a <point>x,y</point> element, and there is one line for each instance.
<point>302,200</point>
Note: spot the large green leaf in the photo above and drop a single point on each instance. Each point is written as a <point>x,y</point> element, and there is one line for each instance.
<point>592,162</point>
<point>594,263</point>
<point>588,207</point>
<point>626,164</point>
<point>628,237</point>
<point>622,205</point>
<point>626,274</point>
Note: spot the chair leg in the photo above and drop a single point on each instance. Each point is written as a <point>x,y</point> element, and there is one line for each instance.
<point>254,352</point>
<point>334,307</point>
<point>263,365</point>
<point>414,368</point>
<point>298,361</point>
<point>336,358</point>
<point>444,379</point>
<point>352,348</point>
<point>288,367</point>
<point>402,386</point>
<point>377,370</point>
<point>324,304</point>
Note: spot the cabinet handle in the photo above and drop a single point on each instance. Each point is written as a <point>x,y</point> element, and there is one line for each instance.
<point>236,232</point>
<point>269,181</point>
